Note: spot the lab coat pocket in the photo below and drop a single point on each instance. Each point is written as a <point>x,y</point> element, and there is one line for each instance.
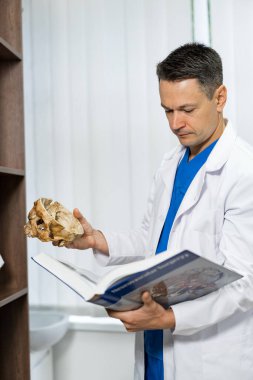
<point>204,244</point>
<point>209,228</point>
<point>208,221</point>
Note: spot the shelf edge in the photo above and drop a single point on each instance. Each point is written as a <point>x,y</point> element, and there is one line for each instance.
<point>9,53</point>
<point>11,171</point>
<point>13,297</point>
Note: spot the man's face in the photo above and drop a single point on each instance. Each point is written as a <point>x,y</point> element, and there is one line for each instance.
<point>192,117</point>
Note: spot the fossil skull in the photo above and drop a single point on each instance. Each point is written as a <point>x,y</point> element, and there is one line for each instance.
<point>50,221</point>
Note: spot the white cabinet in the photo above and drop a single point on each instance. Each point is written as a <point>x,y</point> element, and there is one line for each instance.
<point>94,349</point>
<point>42,365</point>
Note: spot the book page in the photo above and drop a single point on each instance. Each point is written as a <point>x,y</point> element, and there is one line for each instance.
<point>92,277</point>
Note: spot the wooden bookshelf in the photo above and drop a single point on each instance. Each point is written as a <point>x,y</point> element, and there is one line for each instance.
<point>10,23</point>
<point>10,295</point>
<point>14,332</point>
<point>11,171</point>
<point>14,326</point>
<point>7,52</point>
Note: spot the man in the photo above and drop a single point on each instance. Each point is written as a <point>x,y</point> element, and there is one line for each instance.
<point>201,199</point>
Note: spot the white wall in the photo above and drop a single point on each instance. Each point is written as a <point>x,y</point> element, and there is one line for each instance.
<point>95,131</point>
<point>232,31</point>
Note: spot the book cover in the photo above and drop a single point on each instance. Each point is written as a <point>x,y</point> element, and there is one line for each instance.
<point>170,279</point>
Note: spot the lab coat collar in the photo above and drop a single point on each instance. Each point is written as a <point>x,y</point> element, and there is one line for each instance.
<point>170,165</point>
<point>217,159</point>
<point>222,150</point>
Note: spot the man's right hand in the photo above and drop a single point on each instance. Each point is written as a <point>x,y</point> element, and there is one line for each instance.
<point>91,238</point>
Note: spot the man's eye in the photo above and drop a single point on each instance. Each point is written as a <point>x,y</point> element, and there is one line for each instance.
<point>168,111</point>
<point>189,110</point>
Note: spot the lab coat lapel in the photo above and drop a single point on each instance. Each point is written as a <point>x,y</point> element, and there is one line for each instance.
<point>215,162</point>
<point>168,175</point>
<point>170,167</point>
<point>193,193</point>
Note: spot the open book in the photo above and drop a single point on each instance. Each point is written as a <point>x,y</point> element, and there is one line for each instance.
<point>169,278</point>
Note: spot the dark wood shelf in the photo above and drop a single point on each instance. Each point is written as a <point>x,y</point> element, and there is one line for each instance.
<point>14,318</point>
<point>8,53</point>
<point>14,342</point>
<point>11,171</point>
<point>10,295</point>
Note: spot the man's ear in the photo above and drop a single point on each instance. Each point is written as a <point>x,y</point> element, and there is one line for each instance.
<point>220,97</point>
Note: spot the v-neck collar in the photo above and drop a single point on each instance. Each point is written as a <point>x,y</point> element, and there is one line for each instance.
<point>200,156</point>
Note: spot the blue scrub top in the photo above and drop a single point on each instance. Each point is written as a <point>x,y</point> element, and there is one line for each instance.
<point>186,171</point>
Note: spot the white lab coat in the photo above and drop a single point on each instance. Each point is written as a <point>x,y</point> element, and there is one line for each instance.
<point>213,338</point>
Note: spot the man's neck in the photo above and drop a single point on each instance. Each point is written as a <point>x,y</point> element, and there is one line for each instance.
<point>194,151</point>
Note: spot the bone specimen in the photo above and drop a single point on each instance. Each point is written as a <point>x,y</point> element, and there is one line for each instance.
<point>50,221</point>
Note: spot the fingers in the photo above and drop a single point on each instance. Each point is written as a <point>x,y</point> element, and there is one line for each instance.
<point>79,242</point>
<point>109,312</point>
<point>59,243</point>
<point>77,214</point>
<point>122,315</point>
<point>146,298</point>
<point>114,314</point>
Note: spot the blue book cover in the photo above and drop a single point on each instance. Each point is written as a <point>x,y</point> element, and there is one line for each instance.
<point>170,279</point>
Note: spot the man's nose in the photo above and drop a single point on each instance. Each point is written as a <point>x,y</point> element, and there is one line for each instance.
<point>176,121</point>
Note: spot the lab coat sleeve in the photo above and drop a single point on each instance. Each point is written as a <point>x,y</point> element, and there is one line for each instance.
<point>236,246</point>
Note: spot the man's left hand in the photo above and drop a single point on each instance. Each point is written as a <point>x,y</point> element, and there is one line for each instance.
<point>151,316</point>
